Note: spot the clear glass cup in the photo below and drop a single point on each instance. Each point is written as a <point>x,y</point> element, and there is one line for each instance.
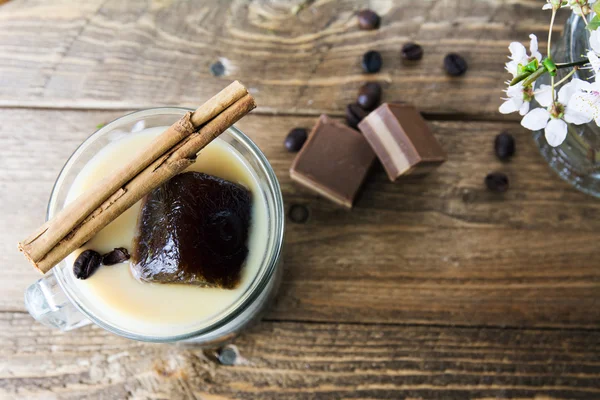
<point>577,159</point>
<point>56,301</point>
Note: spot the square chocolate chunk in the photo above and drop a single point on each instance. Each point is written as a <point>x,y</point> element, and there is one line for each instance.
<point>333,162</point>
<point>402,140</point>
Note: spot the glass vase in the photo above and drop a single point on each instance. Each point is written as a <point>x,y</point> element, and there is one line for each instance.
<point>577,159</point>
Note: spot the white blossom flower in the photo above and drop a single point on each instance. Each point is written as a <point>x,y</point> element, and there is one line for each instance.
<point>554,118</point>
<point>581,7</point>
<point>595,41</point>
<point>594,62</point>
<point>518,54</point>
<point>587,101</point>
<point>553,4</point>
<point>577,102</point>
<point>519,98</point>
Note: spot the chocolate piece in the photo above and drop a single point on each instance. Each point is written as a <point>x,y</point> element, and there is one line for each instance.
<point>193,229</point>
<point>401,139</point>
<point>333,162</point>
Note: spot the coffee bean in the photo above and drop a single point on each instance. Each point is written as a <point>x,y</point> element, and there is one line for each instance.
<point>116,256</point>
<point>372,62</point>
<point>369,95</point>
<point>298,213</point>
<point>217,69</point>
<point>368,20</point>
<point>295,139</point>
<point>228,355</point>
<point>497,182</point>
<point>354,114</point>
<point>504,146</point>
<point>86,264</point>
<point>455,64</point>
<point>412,52</point>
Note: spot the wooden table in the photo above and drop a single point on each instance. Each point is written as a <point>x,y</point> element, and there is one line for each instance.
<point>430,288</point>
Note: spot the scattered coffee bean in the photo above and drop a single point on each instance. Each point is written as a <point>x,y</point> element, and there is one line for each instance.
<point>455,64</point>
<point>116,256</point>
<point>372,62</point>
<point>86,264</point>
<point>369,95</point>
<point>295,139</point>
<point>228,355</point>
<point>368,20</point>
<point>298,213</point>
<point>354,114</point>
<point>504,145</point>
<point>497,182</point>
<point>217,69</point>
<point>412,52</point>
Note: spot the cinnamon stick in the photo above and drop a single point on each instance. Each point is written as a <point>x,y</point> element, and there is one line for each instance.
<point>169,154</point>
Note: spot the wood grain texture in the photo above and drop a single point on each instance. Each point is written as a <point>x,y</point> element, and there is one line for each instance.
<point>439,249</point>
<point>370,298</point>
<point>303,361</point>
<point>135,54</point>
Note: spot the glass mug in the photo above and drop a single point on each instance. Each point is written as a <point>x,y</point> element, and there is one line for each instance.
<point>56,301</point>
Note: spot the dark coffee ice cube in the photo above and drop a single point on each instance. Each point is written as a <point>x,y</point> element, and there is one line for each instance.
<point>193,229</point>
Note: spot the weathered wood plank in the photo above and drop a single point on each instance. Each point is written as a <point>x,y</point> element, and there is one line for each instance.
<point>437,249</point>
<point>134,54</point>
<point>303,361</point>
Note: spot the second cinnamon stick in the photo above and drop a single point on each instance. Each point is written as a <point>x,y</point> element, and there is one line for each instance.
<point>169,164</point>
<point>49,234</point>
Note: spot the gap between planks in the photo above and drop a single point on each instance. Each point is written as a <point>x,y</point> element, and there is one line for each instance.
<point>406,325</point>
<point>264,111</point>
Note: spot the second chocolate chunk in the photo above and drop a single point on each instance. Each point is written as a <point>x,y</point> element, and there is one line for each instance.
<point>402,140</point>
<point>333,162</point>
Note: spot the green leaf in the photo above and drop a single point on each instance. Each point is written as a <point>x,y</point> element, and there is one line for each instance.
<point>528,68</point>
<point>596,7</point>
<point>550,66</point>
<point>519,78</point>
<point>532,66</point>
<point>531,78</point>
<point>100,125</point>
<point>594,23</point>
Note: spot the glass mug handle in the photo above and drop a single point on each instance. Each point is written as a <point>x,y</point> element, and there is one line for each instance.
<point>48,304</point>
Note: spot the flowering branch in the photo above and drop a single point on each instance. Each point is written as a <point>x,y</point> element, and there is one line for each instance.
<point>566,78</point>
<point>550,30</point>
<point>577,102</point>
<point>532,77</point>
<point>528,78</point>
<point>579,63</point>
<point>548,63</point>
